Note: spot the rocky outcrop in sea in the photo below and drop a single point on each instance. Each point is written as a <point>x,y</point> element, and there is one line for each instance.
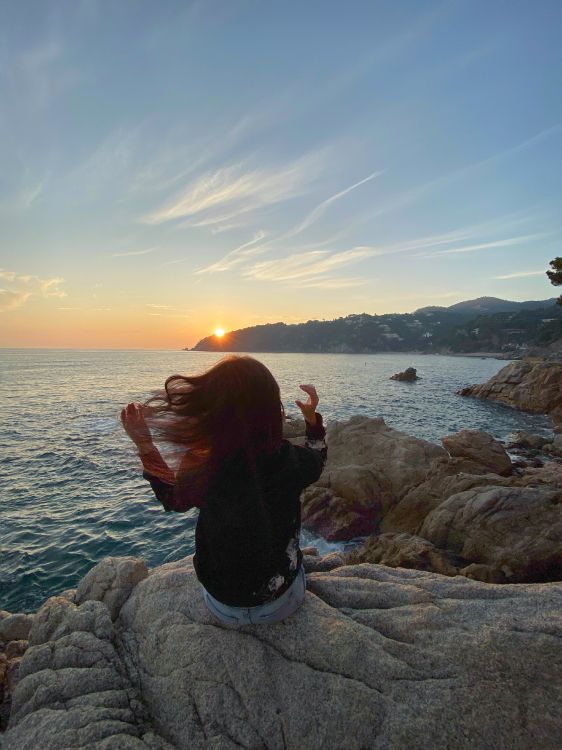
<point>408,376</point>
<point>530,385</point>
<point>479,514</point>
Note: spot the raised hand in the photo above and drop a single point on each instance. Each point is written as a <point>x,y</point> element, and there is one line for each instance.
<point>135,425</point>
<point>309,408</point>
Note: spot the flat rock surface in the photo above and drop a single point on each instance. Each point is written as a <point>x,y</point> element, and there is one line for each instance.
<point>375,658</point>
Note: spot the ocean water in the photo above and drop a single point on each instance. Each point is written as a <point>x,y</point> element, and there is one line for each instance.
<point>72,491</point>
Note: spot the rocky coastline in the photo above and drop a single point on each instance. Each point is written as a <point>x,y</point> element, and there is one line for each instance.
<point>533,385</point>
<point>438,627</point>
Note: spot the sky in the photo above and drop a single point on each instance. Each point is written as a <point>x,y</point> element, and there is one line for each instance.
<point>171,168</point>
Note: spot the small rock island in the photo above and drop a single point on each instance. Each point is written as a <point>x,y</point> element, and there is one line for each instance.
<point>408,376</point>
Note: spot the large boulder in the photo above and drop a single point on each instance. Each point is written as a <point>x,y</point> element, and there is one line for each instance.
<point>370,468</point>
<point>515,530</point>
<point>375,657</point>
<point>530,385</point>
<point>445,477</point>
<point>481,448</point>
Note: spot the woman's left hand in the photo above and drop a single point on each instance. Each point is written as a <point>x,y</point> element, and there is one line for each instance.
<point>135,425</point>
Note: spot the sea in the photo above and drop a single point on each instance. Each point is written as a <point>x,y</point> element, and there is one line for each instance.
<point>71,485</point>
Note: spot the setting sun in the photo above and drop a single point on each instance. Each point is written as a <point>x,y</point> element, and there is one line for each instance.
<point>219,332</point>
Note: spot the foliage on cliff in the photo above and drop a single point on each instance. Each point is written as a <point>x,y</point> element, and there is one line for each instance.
<point>430,329</point>
<point>555,275</point>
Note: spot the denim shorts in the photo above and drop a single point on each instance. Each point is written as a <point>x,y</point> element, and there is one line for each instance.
<point>263,614</point>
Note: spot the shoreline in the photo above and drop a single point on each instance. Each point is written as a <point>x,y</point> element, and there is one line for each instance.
<point>501,356</point>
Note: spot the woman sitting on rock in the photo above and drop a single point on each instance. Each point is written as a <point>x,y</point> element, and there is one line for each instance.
<point>242,475</point>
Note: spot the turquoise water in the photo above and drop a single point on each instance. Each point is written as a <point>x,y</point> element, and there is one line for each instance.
<point>72,490</point>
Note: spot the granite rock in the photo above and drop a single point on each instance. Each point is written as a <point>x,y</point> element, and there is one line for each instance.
<point>481,448</point>
<point>404,551</point>
<point>515,530</point>
<point>111,582</point>
<point>370,468</point>
<point>15,627</point>
<point>376,657</point>
<point>530,385</point>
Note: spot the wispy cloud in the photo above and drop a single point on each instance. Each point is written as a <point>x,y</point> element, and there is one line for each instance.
<point>236,256</point>
<point>184,314</point>
<point>521,274</point>
<point>134,252</point>
<point>21,287</point>
<point>168,310</point>
<point>48,287</point>
<point>217,197</point>
<point>311,265</point>
<point>343,283</point>
<point>484,245</point>
<point>10,299</point>
<point>317,212</point>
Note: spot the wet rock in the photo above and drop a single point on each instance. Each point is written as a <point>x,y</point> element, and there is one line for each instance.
<point>481,448</point>
<point>111,582</point>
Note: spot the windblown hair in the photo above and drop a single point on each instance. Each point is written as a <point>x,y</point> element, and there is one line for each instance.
<point>233,409</point>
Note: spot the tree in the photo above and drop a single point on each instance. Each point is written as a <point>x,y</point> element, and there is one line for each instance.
<point>555,275</point>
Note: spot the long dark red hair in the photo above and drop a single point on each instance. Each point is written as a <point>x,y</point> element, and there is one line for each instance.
<point>233,409</point>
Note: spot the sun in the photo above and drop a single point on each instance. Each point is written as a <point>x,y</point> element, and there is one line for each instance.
<point>219,332</point>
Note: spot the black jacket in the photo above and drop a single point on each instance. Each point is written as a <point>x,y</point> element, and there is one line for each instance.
<point>247,537</point>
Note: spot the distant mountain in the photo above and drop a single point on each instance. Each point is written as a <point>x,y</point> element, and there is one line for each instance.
<point>437,329</point>
<point>490,305</point>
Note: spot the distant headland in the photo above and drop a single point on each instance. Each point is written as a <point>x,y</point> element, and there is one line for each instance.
<point>486,324</point>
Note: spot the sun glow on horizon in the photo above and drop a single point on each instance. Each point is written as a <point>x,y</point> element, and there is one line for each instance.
<point>219,332</point>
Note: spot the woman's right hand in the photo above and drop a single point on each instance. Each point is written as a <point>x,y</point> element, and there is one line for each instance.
<point>309,408</point>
